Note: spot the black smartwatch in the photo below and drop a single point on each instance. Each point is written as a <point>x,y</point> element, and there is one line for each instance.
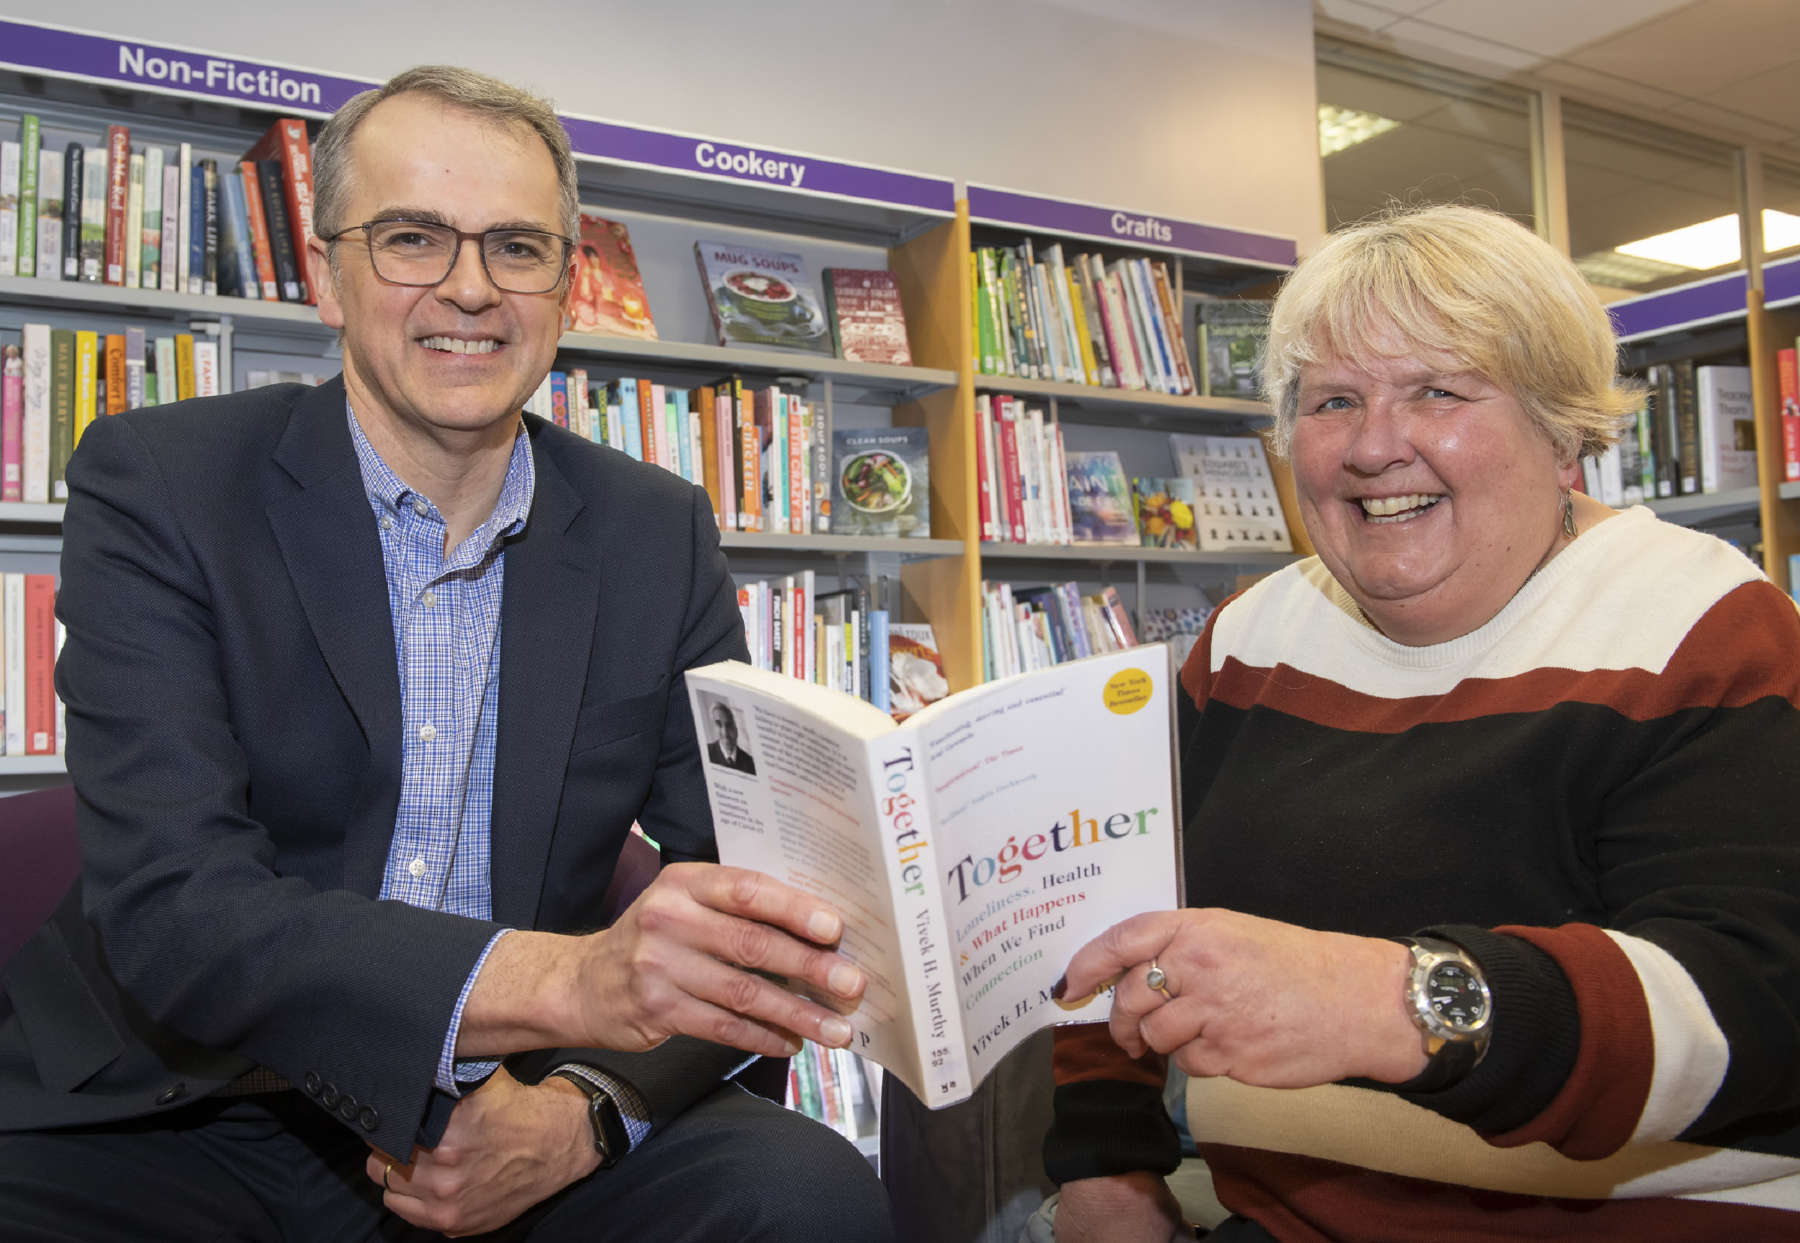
<point>1447,999</point>
<point>611,1140</point>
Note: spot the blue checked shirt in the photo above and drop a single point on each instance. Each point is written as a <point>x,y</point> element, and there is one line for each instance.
<point>446,614</point>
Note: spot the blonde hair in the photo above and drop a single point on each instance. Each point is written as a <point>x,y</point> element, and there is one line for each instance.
<point>488,98</point>
<point>1464,283</point>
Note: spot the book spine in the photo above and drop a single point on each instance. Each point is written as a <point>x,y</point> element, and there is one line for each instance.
<point>134,368</point>
<point>168,277</point>
<point>94,186</point>
<point>750,440</point>
<point>40,664</point>
<point>206,369</point>
<point>30,161</point>
<point>118,192</point>
<point>279,233</point>
<point>797,514</point>
<point>134,222</point>
<point>256,222</point>
<point>115,374</point>
<point>821,468</point>
<point>286,142</point>
<point>9,208</point>
<point>184,217</point>
<point>878,692</point>
<point>1009,463</point>
<point>681,440</point>
<point>209,227</point>
<point>74,195</point>
<point>12,652</point>
<point>725,437</point>
<point>12,422</point>
<point>62,409</point>
<point>150,233</point>
<point>984,429</point>
<point>1787,370</point>
<point>1171,313</point>
<point>50,215</point>
<point>34,451</point>
<point>559,398</point>
<point>87,377</point>
<point>1687,428</point>
<point>237,238</point>
<point>1064,526</point>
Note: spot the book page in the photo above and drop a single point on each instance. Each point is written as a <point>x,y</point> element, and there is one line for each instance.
<point>787,770</point>
<point>1054,804</point>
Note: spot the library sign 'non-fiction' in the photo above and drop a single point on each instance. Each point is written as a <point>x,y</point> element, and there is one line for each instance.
<point>1034,212</point>
<point>162,67</point>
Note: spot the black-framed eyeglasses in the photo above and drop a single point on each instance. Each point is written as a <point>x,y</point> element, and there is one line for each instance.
<point>422,253</point>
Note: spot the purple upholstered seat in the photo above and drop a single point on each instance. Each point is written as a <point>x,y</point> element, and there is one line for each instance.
<point>40,857</point>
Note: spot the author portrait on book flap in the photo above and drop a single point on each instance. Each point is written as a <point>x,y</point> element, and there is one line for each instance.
<point>729,745</point>
<point>366,685</point>
<point>1493,886</point>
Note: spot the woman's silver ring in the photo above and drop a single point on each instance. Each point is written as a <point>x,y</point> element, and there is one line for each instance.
<point>1157,981</point>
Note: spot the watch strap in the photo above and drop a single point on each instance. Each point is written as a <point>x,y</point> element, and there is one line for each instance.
<point>611,1139</point>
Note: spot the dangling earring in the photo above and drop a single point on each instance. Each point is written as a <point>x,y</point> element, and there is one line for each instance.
<point>1568,508</point>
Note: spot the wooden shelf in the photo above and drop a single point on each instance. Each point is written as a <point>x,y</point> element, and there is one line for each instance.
<point>1789,491</point>
<point>1107,554</point>
<point>1092,398</point>
<point>87,295</point>
<point>900,382</point>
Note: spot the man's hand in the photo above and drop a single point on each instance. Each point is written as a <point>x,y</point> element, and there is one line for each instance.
<point>507,1147</point>
<point>1126,1208</point>
<point>684,959</point>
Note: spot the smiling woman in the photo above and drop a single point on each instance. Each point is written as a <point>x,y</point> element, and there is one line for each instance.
<point>1484,843</point>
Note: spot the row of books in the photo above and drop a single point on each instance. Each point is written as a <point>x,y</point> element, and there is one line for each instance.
<point>58,380</point>
<point>768,459</point>
<point>841,640</point>
<point>766,298</point>
<point>835,1087</point>
<point>1029,628</point>
<point>1694,432</point>
<point>153,217</point>
<point>1033,490</point>
<point>31,717</point>
<point>1787,371</point>
<point>1085,320</point>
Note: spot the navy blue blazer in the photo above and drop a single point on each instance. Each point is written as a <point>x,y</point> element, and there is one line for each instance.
<point>233,715</point>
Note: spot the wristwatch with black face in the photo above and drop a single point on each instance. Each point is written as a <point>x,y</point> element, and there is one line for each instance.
<point>611,1139</point>
<point>1447,998</point>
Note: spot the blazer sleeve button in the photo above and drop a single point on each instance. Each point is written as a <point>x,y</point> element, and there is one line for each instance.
<point>312,1083</point>
<point>368,1119</point>
<point>328,1095</point>
<point>347,1107</point>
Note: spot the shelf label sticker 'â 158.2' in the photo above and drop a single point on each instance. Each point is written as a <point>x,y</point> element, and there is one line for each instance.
<point>164,68</point>
<point>1128,228</point>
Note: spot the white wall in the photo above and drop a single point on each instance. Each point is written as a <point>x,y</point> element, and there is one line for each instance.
<point>1200,109</point>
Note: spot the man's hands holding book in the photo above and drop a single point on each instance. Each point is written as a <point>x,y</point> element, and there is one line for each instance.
<point>693,955</point>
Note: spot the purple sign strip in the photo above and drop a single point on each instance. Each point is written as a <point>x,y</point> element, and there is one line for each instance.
<point>1111,224</point>
<point>1781,281</point>
<point>1718,298</point>
<point>172,70</point>
<point>756,165</point>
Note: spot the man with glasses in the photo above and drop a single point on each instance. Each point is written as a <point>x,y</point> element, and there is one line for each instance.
<point>366,685</point>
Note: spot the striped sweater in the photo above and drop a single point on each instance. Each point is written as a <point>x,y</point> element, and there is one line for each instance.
<point>1597,794</point>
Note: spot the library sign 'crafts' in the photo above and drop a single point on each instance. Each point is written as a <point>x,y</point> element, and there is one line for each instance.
<point>1030,211</point>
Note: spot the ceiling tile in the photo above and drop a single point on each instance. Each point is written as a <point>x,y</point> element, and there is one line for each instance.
<point>1545,27</point>
<point>1773,96</point>
<point>1418,38</point>
<point>1371,17</point>
<point>1636,97</point>
<point>1697,49</point>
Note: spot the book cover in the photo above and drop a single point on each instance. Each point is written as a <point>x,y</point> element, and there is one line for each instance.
<point>1180,628</point>
<point>1236,505</point>
<point>1231,334</point>
<point>286,142</point>
<point>1099,498</point>
<point>1165,511</point>
<point>868,321</point>
<point>915,669</point>
<point>762,298</point>
<point>1727,425</point>
<point>881,481</point>
<point>973,848</point>
<point>609,297</point>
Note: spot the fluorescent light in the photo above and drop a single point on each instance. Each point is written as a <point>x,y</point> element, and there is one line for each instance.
<point>1713,243</point>
<point>1345,127</point>
<point>1610,268</point>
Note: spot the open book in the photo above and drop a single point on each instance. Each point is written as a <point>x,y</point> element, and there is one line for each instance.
<point>972,850</point>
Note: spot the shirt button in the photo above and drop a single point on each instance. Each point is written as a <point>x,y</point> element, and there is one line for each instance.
<point>419,506</point>
<point>427,732</point>
<point>387,522</point>
<point>416,867</point>
<point>429,598</point>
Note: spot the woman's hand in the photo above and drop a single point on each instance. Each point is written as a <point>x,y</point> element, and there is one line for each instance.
<point>1126,1208</point>
<point>1262,1002</point>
